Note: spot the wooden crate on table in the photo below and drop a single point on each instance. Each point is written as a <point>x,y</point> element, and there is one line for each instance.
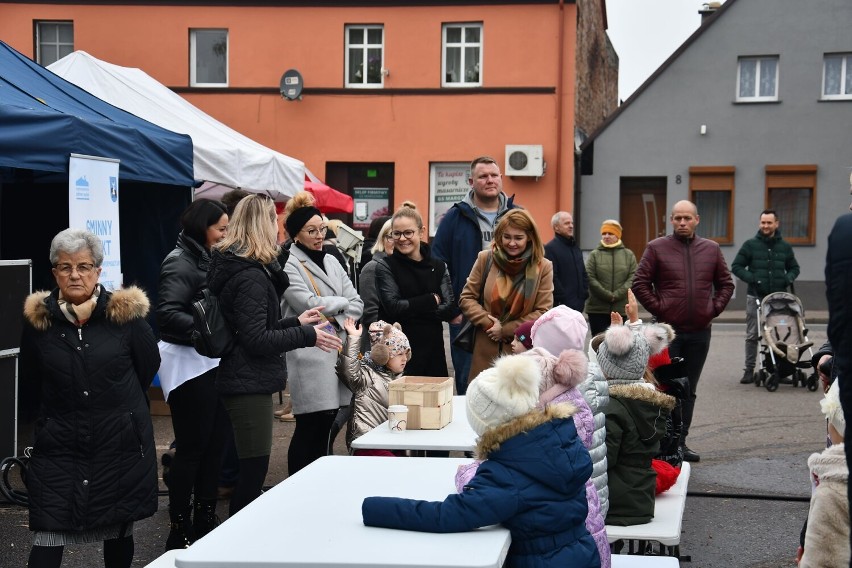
<point>429,400</point>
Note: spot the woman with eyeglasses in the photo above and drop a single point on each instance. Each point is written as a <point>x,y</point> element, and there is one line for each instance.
<point>247,279</point>
<point>382,247</point>
<point>87,359</point>
<point>317,281</point>
<point>509,284</point>
<point>415,290</point>
<point>188,379</point>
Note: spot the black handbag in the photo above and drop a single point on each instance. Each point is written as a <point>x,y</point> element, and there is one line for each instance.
<point>467,334</point>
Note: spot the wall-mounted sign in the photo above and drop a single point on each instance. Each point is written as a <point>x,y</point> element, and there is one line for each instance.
<point>447,186</point>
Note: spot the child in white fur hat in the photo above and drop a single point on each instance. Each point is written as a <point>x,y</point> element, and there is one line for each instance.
<point>368,376</point>
<point>532,480</point>
<point>827,534</point>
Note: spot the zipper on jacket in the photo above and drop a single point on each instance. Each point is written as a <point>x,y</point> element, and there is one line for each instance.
<point>690,292</point>
<point>80,333</point>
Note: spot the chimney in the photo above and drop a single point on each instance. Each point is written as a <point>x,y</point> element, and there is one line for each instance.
<point>708,9</point>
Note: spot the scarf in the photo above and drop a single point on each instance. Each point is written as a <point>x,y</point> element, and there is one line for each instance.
<point>317,256</point>
<point>79,314</point>
<point>514,289</point>
<point>613,245</point>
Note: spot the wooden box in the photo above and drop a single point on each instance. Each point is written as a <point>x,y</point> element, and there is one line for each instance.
<point>429,400</point>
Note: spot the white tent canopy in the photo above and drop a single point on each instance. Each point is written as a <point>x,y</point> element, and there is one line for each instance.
<point>222,157</point>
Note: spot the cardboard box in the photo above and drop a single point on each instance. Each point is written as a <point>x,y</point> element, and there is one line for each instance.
<point>429,400</point>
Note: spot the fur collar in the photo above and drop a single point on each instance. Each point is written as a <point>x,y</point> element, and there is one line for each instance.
<point>122,307</point>
<point>830,464</point>
<point>492,438</point>
<point>638,391</point>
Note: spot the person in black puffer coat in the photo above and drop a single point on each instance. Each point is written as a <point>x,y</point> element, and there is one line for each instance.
<point>248,280</point>
<point>87,359</point>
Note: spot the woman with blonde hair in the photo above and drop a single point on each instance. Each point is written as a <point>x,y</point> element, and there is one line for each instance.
<point>610,267</point>
<point>415,291</point>
<point>246,277</point>
<point>317,283</point>
<point>509,284</point>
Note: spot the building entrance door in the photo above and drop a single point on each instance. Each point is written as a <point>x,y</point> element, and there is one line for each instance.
<point>371,186</point>
<point>643,209</point>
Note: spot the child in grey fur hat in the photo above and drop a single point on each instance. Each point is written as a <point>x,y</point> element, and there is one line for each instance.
<point>368,376</point>
<point>635,419</point>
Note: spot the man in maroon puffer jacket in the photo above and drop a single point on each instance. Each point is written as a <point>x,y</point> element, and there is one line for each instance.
<point>683,280</point>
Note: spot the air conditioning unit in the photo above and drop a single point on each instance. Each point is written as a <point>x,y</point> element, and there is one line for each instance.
<point>524,160</point>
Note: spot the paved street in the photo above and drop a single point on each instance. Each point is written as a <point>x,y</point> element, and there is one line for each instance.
<point>752,442</point>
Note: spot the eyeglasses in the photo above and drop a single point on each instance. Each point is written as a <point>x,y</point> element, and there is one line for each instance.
<point>82,269</point>
<point>397,235</point>
<point>388,237</point>
<point>312,232</point>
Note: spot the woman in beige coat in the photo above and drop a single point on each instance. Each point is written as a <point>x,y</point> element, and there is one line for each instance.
<point>508,285</point>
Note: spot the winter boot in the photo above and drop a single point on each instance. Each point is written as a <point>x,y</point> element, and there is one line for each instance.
<point>204,517</point>
<point>181,533</point>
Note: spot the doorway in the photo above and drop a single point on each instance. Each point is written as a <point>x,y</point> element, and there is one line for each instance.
<point>371,186</point>
<point>643,209</point>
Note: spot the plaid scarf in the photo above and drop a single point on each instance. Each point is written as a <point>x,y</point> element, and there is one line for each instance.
<point>79,314</point>
<point>513,293</point>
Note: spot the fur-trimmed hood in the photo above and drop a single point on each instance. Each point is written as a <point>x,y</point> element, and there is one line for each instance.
<point>647,407</point>
<point>491,440</point>
<point>643,392</point>
<point>830,465</point>
<point>122,306</point>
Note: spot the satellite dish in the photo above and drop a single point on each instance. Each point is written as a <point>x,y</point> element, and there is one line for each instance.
<point>291,85</point>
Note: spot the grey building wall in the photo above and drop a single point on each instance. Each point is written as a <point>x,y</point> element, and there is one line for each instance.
<point>658,132</point>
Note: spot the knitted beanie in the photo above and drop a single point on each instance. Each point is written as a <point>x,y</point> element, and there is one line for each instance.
<point>503,392</point>
<point>560,328</point>
<point>387,341</point>
<point>623,354</point>
<point>522,334</point>
<point>558,374</point>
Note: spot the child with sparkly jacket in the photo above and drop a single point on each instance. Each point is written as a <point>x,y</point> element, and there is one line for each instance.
<point>532,480</point>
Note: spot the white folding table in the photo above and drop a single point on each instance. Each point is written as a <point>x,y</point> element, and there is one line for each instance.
<point>456,436</point>
<point>625,561</point>
<point>665,527</point>
<point>313,519</point>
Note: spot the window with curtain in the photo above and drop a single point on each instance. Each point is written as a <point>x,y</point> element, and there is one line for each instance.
<point>208,55</point>
<point>837,76</point>
<point>757,79</point>
<point>711,188</point>
<point>462,60</point>
<point>365,59</point>
<point>791,192</point>
<point>54,40</point>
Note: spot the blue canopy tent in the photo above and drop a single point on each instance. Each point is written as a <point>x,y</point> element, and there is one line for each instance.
<point>44,119</point>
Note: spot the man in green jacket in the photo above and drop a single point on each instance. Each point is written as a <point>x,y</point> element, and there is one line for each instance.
<point>767,264</point>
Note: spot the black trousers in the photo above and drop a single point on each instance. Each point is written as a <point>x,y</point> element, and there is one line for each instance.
<point>200,426</point>
<point>310,439</point>
<point>693,346</point>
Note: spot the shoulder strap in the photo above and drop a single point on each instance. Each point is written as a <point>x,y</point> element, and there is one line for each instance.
<point>311,278</point>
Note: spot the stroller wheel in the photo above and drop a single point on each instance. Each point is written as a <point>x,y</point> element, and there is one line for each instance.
<point>772,382</point>
<point>812,382</point>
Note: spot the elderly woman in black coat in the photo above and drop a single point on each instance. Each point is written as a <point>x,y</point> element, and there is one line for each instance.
<point>87,358</point>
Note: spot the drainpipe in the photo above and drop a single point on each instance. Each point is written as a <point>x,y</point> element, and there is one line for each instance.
<point>559,96</point>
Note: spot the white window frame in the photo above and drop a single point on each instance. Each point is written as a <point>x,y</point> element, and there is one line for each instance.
<point>843,95</point>
<point>461,45</point>
<point>193,82</point>
<point>364,47</point>
<point>755,97</point>
<point>53,41</point>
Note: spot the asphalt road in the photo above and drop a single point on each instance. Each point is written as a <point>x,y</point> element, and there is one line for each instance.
<point>747,496</point>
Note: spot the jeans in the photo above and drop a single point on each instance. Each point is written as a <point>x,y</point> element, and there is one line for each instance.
<point>693,346</point>
<point>461,360</point>
<point>751,333</point>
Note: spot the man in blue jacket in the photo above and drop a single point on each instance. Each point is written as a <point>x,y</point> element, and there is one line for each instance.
<point>465,230</point>
<point>767,264</point>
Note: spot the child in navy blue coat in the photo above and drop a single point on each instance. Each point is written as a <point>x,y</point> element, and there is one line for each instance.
<point>532,480</point>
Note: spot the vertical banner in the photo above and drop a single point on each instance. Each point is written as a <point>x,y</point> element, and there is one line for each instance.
<point>93,205</point>
<point>370,202</point>
<point>447,186</point>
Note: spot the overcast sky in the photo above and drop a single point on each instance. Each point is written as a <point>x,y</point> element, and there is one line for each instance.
<point>645,33</point>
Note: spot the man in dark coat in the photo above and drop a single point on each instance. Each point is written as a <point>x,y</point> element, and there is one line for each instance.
<point>683,280</point>
<point>570,280</point>
<point>838,282</point>
<point>767,264</point>
<point>464,232</point>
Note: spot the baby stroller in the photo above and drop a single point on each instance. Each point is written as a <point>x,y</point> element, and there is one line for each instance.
<point>783,341</point>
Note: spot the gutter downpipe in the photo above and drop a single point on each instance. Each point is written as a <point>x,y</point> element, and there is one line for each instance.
<point>559,98</point>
